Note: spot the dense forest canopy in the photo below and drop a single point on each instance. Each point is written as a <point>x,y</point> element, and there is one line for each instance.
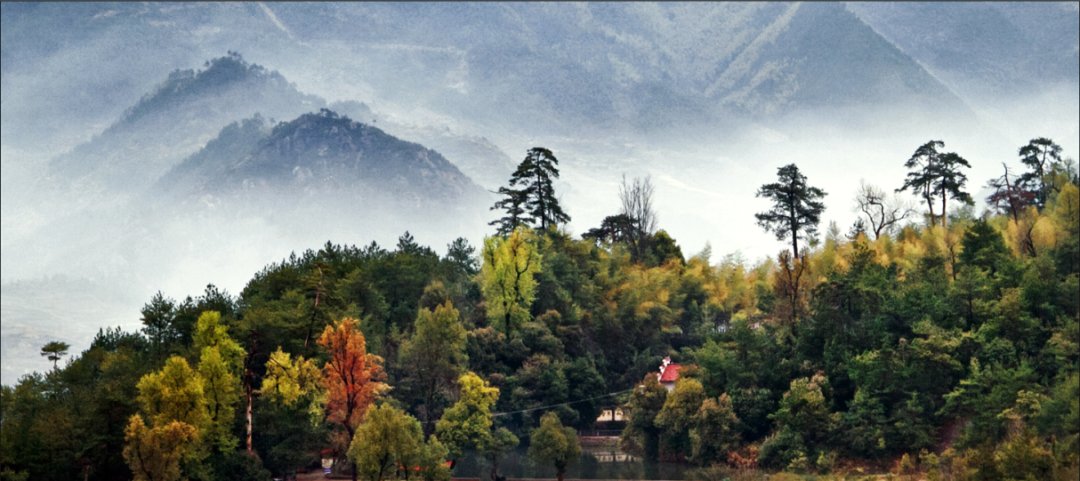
<point>949,344</point>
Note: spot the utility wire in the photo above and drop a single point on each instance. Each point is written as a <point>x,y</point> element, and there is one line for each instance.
<point>507,413</point>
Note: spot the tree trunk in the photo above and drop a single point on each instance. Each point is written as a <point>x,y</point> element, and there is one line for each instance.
<point>794,229</point>
<point>249,395</point>
<point>944,213</point>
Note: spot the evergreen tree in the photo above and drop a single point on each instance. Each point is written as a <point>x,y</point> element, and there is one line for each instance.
<point>796,209</point>
<point>933,174</point>
<point>54,350</point>
<point>513,202</point>
<point>530,198</point>
<point>1041,156</point>
<point>613,229</point>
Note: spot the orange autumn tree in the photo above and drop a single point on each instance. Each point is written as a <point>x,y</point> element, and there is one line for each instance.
<point>352,378</point>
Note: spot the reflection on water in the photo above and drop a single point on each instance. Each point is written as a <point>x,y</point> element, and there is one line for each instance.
<point>596,462</point>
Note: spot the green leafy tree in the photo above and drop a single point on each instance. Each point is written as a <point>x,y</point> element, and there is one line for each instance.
<point>663,248</point>
<point>54,351</point>
<point>803,423</point>
<point>502,441</point>
<point>435,356</point>
<point>466,425</point>
<point>796,209</point>
<point>554,444</point>
<point>675,419</point>
<point>432,461</point>
<point>386,442</point>
<point>507,278</point>
<point>641,433</point>
<point>1023,456</point>
<point>714,431</point>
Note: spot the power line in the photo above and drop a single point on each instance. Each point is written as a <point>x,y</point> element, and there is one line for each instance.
<point>507,413</point>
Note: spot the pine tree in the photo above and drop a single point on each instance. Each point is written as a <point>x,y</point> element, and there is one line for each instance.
<point>934,173</point>
<point>530,198</point>
<point>513,202</point>
<point>796,209</point>
<point>1041,156</point>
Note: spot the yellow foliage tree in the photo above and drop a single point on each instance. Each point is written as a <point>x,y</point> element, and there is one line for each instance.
<point>175,393</point>
<point>506,277</point>
<point>220,364</point>
<point>154,453</point>
<point>288,379</point>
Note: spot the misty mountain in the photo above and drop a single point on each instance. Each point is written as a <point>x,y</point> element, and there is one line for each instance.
<point>821,56</point>
<point>629,66</point>
<point>566,69</point>
<point>318,154</point>
<point>177,118</point>
<point>475,155</point>
<point>986,49</point>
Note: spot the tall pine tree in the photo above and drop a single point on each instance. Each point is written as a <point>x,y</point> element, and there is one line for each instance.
<point>1041,156</point>
<point>796,208</point>
<point>513,202</point>
<point>933,174</point>
<point>530,197</point>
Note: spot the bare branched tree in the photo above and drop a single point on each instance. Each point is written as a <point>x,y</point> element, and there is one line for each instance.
<point>1009,195</point>
<point>636,197</point>
<point>882,212</point>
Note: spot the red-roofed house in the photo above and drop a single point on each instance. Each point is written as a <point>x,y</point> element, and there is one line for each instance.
<point>669,373</point>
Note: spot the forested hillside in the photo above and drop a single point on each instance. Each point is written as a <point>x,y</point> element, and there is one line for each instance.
<point>944,342</point>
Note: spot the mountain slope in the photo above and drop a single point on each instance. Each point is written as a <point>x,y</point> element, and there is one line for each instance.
<point>820,56</point>
<point>178,118</point>
<point>316,154</point>
<point>560,69</point>
<point>987,49</point>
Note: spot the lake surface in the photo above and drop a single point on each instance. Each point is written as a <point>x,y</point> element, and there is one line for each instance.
<point>596,462</point>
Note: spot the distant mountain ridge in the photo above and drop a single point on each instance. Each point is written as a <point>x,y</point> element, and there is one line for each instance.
<point>319,153</point>
<point>596,68</point>
<point>177,118</point>
<point>984,49</point>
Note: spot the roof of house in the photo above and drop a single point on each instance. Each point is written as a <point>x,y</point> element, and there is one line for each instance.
<point>670,373</point>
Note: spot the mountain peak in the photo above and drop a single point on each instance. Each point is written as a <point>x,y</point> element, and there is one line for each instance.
<point>318,153</point>
<point>217,75</point>
<point>177,118</point>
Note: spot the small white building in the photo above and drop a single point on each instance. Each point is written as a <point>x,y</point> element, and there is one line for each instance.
<point>669,373</point>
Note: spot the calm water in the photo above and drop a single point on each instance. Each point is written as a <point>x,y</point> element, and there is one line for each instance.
<point>595,463</point>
